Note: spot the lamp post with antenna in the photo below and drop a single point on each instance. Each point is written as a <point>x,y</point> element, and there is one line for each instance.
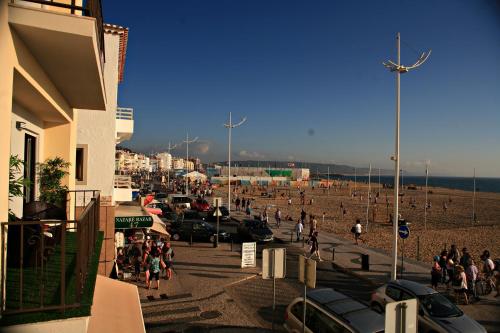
<point>399,69</point>
<point>187,142</point>
<point>170,147</point>
<point>230,126</point>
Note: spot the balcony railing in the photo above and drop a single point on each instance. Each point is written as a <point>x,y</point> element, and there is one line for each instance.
<point>47,263</point>
<point>91,8</point>
<point>125,113</point>
<point>122,181</point>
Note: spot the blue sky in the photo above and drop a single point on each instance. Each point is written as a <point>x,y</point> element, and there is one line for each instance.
<point>308,76</point>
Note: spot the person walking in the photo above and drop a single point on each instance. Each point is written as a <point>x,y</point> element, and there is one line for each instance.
<point>453,254</point>
<point>303,216</point>
<point>243,204</point>
<point>313,241</point>
<point>465,258</point>
<point>443,258</point>
<point>313,225</point>
<point>460,284</point>
<point>154,270</point>
<point>435,273</point>
<point>277,217</point>
<point>237,203</point>
<point>472,273</point>
<point>299,227</point>
<point>168,259</point>
<point>356,230</point>
<point>450,270</point>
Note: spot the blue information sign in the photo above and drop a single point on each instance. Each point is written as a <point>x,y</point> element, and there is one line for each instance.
<point>404,231</point>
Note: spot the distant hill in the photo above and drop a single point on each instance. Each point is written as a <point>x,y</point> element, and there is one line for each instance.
<point>315,168</point>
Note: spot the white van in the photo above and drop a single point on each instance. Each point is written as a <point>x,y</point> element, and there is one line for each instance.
<point>179,200</point>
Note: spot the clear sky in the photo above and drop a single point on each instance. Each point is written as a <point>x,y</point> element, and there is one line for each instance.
<point>308,76</point>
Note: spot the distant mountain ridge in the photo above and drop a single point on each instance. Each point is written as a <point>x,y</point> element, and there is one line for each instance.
<point>315,168</point>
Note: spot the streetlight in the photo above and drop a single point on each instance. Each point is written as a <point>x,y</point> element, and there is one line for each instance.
<point>229,127</point>
<point>187,142</point>
<point>399,69</point>
<point>170,147</point>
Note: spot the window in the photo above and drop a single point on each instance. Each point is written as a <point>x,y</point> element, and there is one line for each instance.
<point>81,164</point>
<point>317,321</point>
<point>393,293</point>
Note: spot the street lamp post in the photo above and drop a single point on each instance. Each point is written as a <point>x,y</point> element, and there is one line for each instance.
<point>399,69</point>
<point>187,142</point>
<point>170,147</point>
<point>230,126</point>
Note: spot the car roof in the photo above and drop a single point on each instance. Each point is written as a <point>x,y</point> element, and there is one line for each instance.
<point>416,288</point>
<point>356,314</point>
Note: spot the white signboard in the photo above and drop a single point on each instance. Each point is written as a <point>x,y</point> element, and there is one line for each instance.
<point>217,212</point>
<point>307,271</point>
<point>273,263</point>
<point>248,255</point>
<point>401,317</point>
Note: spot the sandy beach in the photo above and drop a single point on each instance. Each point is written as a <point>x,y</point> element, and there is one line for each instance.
<point>449,220</point>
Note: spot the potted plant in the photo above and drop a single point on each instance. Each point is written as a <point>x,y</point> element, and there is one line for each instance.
<point>16,183</point>
<point>50,175</point>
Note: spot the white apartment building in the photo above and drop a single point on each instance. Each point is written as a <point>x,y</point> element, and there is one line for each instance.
<point>165,161</point>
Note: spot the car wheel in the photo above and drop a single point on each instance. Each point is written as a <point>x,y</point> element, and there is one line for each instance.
<point>377,307</point>
<point>212,239</point>
<point>176,237</point>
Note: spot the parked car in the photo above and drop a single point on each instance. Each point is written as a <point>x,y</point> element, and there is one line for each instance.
<point>180,200</point>
<point>200,205</point>
<point>224,218</point>
<point>201,231</point>
<point>161,196</point>
<point>331,311</point>
<point>436,313</point>
<point>256,230</point>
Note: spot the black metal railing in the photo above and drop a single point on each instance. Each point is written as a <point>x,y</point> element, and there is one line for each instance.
<point>47,262</point>
<point>91,8</point>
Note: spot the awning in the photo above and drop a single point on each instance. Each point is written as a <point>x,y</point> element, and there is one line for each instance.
<point>106,316</point>
<point>159,227</point>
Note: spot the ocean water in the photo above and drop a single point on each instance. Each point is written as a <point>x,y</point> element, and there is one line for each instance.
<point>458,183</point>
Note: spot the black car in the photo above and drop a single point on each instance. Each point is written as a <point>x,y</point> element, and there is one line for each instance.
<point>187,214</point>
<point>224,218</point>
<point>255,230</point>
<point>201,231</point>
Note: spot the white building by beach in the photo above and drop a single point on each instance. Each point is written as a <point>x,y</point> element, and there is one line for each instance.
<point>165,161</point>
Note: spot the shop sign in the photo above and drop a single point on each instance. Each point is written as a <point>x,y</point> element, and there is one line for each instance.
<point>130,222</point>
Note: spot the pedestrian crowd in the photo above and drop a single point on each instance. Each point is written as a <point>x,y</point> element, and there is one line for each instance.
<point>463,273</point>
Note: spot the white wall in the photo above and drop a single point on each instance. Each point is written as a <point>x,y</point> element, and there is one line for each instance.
<point>97,128</point>
<point>73,325</point>
<point>34,127</point>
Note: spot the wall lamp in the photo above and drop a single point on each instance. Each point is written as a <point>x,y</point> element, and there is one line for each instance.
<point>20,125</point>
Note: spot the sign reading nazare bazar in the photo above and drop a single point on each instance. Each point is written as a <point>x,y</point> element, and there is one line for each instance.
<point>129,222</point>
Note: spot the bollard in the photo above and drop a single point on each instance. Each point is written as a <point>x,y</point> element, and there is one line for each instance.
<point>333,253</point>
<point>365,262</point>
<point>418,248</point>
<point>215,243</point>
<point>303,241</point>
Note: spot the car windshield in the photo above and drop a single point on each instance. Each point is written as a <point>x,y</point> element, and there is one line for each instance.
<point>439,306</point>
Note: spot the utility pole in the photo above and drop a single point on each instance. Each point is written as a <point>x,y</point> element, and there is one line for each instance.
<point>426,201</point>
<point>368,197</point>
<point>170,147</point>
<point>474,199</point>
<point>187,142</point>
<point>230,126</point>
<point>399,69</point>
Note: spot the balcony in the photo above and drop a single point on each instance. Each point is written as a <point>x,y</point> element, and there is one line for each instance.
<point>51,265</point>
<point>67,41</point>
<point>124,124</point>
<point>123,188</point>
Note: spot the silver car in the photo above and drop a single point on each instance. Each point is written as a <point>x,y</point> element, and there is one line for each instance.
<point>436,313</point>
<point>329,311</point>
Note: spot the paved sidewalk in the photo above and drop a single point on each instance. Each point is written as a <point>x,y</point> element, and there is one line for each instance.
<point>348,255</point>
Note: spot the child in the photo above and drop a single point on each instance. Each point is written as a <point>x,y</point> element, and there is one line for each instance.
<point>154,270</point>
<point>435,273</point>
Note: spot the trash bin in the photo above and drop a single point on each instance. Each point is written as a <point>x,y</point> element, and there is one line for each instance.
<point>365,262</point>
